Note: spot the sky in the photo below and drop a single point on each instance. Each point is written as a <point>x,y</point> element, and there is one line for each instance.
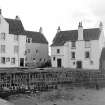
<point>49,14</point>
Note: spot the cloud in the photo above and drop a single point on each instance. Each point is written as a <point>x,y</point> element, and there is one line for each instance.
<point>98,8</point>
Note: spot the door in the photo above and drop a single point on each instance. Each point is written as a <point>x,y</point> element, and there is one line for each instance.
<point>59,62</point>
<point>22,62</point>
<point>79,64</point>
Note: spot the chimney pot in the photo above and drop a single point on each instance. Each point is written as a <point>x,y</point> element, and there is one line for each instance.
<point>59,29</point>
<point>101,25</point>
<point>40,29</point>
<point>17,18</point>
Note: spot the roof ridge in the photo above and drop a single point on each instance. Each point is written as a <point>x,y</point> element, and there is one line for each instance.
<point>77,29</point>
<point>31,31</point>
<point>12,19</point>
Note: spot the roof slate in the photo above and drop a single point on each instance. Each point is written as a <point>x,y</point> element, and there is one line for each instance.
<point>15,27</point>
<point>72,35</point>
<point>37,37</point>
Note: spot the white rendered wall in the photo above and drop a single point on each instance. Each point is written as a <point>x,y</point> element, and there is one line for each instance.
<point>57,55</point>
<point>68,62</point>
<point>9,42</point>
<point>4,26</point>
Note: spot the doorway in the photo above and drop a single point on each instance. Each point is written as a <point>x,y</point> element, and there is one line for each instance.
<point>22,62</point>
<point>59,62</point>
<point>79,64</point>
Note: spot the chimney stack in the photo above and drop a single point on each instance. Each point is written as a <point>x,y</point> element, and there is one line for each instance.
<point>80,31</point>
<point>101,25</point>
<point>58,30</point>
<point>40,29</point>
<point>17,18</point>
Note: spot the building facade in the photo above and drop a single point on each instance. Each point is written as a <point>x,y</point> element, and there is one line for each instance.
<point>19,47</point>
<point>79,49</point>
<point>36,48</point>
<point>12,42</point>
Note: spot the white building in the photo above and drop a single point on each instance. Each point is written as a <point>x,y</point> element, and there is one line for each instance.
<point>12,42</point>
<point>36,48</point>
<point>78,48</point>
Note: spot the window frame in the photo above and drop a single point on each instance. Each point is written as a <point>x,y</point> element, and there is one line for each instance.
<point>58,51</point>
<point>29,40</point>
<point>73,55</point>
<point>73,44</point>
<point>87,44</point>
<point>53,58</point>
<point>3,60</point>
<point>28,50</point>
<point>87,54</point>
<point>13,60</point>
<point>3,36</point>
<point>8,59</point>
<point>3,48</point>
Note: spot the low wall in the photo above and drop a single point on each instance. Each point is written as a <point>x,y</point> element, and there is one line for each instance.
<point>88,78</point>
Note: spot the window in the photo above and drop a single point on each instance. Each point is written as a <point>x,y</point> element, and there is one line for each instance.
<point>28,50</point>
<point>29,40</point>
<point>13,60</point>
<point>16,49</point>
<point>3,60</point>
<point>73,63</point>
<point>87,44</point>
<point>2,48</point>
<point>91,62</point>
<point>34,59</point>
<point>73,44</point>
<point>58,50</point>
<point>8,59</point>
<point>44,59</point>
<point>73,55</point>
<point>25,52</point>
<point>53,58</point>
<point>87,54</point>
<point>40,59</point>
<point>3,36</point>
<point>16,37</point>
<point>36,51</point>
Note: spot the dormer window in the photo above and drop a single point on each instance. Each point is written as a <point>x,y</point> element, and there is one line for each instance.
<point>29,40</point>
<point>73,44</point>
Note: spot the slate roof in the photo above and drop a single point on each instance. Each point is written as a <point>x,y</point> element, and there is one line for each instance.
<point>15,26</point>
<point>37,37</point>
<point>72,35</point>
